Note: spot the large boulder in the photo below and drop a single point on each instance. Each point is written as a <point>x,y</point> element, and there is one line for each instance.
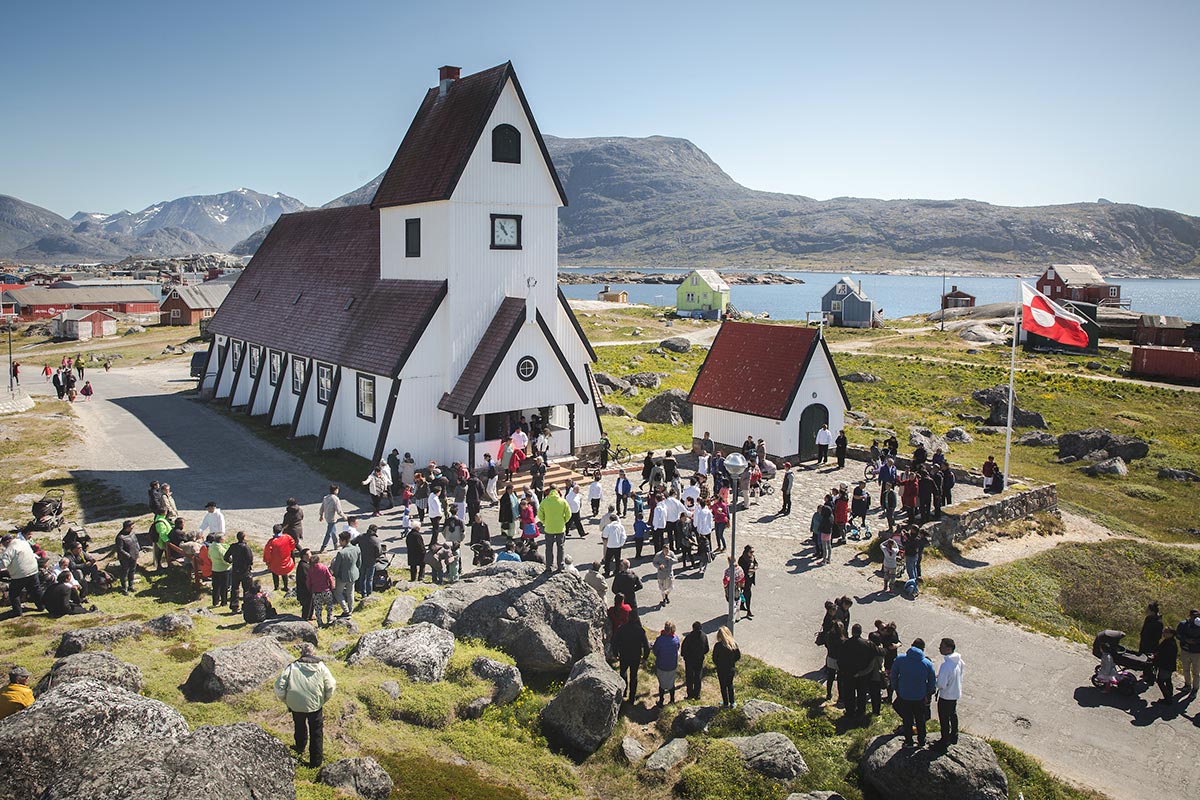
<point>611,381</point>
<point>959,435</point>
<point>693,719</point>
<point>668,756</point>
<point>545,621</point>
<point>362,776</point>
<point>967,770</point>
<point>676,344</point>
<point>996,398</point>
<point>252,765</point>
<point>288,628</point>
<point>993,395</point>
<point>583,713</point>
<point>754,710</point>
<point>99,666</point>
<point>918,435</point>
<point>1081,443</point>
<point>861,377</point>
<point>401,611</point>
<point>671,407</point>
<point>236,668</point>
<point>70,725</point>
<point>1109,466</point>
<point>613,410</point>
<point>1038,439</point>
<point>815,796</point>
<point>421,650</point>
<point>1169,474</point>
<point>772,754</point>
<point>633,750</point>
<point>504,677</point>
<point>103,637</point>
<point>646,380</point>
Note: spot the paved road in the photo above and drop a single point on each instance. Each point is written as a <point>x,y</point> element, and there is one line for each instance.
<point>1023,688</point>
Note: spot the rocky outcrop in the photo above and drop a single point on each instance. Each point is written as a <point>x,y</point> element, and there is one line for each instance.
<point>668,756</point>
<point>583,713</point>
<point>772,754</point>
<point>633,750</point>
<point>645,380</point>
<point>288,628</point>
<point>421,650</point>
<point>611,381</point>
<point>105,636</point>
<point>102,667</point>
<point>964,771</point>
<point>1038,439</point>
<point>815,796</point>
<point>693,719</point>
<point>676,344</point>
<point>504,677</point>
<point>545,622</point>
<point>996,398</point>
<point>251,763</point>
<point>613,410</point>
<point>754,710</point>
<point>362,776</point>
<point>959,435</point>
<point>1109,466</point>
<point>1081,443</point>
<point>71,724</point>
<point>236,668</point>
<point>670,407</point>
<point>401,611</point>
<point>861,377</point>
<point>918,435</point>
<point>1168,474</point>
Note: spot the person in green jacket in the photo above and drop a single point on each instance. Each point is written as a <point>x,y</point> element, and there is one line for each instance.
<point>554,514</point>
<point>220,569</point>
<point>305,686</point>
<point>345,567</point>
<point>161,529</point>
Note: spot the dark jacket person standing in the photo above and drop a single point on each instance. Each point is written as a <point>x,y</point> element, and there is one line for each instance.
<point>725,655</point>
<point>693,650</point>
<point>127,550</point>
<point>632,647</point>
<point>241,563</point>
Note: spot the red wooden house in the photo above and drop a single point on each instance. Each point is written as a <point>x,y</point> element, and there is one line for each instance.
<point>1157,329</point>
<point>1081,282</point>
<point>36,302</point>
<point>957,299</point>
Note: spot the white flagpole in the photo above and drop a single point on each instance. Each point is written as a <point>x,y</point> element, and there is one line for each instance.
<point>1012,376</point>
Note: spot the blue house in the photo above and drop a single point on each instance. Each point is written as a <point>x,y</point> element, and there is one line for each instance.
<point>846,306</point>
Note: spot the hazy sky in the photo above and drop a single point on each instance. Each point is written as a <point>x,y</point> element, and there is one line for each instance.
<point>121,104</point>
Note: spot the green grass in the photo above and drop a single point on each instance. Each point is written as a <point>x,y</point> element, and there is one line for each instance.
<point>1077,589</point>
<point>1027,778</point>
<point>680,368</point>
<point>619,323</point>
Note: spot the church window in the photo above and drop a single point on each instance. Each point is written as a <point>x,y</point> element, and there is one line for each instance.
<point>506,144</point>
<point>297,374</point>
<point>276,366</point>
<point>366,397</point>
<point>324,383</point>
<point>412,238</point>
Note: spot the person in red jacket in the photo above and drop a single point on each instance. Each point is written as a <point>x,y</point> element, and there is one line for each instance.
<point>841,513</point>
<point>277,554</point>
<point>909,494</point>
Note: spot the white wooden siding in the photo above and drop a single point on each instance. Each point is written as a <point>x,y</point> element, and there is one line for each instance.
<point>550,386</point>
<point>348,430</point>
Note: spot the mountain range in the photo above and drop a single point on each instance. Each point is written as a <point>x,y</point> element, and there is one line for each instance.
<point>661,201</point>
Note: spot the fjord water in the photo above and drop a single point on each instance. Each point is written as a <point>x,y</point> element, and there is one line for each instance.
<point>900,295</point>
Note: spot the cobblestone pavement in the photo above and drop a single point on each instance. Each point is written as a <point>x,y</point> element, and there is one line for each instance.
<point>1023,688</point>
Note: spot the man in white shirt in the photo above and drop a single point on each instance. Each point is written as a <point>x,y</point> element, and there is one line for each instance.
<point>574,500</point>
<point>692,491</point>
<point>614,537</point>
<point>674,510</point>
<point>949,688</point>
<point>331,514</point>
<point>520,441</point>
<point>595,495</point>
<point>22,565</point>
<point>824,439</point>
<point>213,522</point>
<point>658,524</point>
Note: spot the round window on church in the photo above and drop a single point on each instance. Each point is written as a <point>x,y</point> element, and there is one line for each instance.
<point>527,368</point>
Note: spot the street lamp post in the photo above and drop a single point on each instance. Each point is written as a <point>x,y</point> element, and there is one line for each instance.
<point>735,465</point>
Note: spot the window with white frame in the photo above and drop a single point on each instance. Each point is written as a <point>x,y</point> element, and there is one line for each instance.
<point>255,360</point>
<point>298,371</point>
<point>836,305</point>
<point>691,297</point>
<point>1114,291</point>
<point>366,396</point>
<point>175,313</point>
<point>275,366</point>
<point>324,383</point>
<point>237,354</point>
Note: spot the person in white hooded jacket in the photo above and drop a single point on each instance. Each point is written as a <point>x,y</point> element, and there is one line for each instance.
<point>949,688</point>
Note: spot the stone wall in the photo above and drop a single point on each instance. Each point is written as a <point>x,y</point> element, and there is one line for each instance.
<point>954,527</point>
<point>15,402</point>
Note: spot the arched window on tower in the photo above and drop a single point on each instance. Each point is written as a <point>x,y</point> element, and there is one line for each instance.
<point>506,144</point>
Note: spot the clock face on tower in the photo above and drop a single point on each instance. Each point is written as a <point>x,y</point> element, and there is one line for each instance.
<point>506,232</point>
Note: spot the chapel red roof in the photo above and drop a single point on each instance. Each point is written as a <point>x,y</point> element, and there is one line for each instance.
<point>313,289</point>
<point>443,136</point>
<point>756,369</point>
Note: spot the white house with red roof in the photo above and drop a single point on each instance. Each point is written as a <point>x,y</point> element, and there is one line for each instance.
<point>774,382</point>
<point>429,320</point>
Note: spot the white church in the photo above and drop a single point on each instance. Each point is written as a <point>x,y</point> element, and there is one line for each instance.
<point>429,320</point>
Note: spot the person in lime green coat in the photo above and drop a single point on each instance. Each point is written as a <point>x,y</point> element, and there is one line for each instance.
<point>554,514</point>
<point>161,529</point>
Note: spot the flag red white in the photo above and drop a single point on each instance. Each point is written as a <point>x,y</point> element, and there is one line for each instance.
<point>1043,316</point>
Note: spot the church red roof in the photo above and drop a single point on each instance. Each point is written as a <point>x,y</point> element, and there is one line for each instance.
<point>443,136</point>
<point>756,369</point>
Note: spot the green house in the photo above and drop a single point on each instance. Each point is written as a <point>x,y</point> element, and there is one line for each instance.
<point>702,294</point>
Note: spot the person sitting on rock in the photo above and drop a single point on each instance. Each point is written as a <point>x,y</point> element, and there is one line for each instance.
<point>16,696</point>
<point>257,606</point>
<point>62,599</point>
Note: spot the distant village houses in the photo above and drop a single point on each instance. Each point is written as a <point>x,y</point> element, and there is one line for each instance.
<point>1079,282</point>
<point>846,305</point>
<point>609,296</point>
<point>82,325</point>
<point>38,302</point>
<point>188,305</point>
<point>702,294</point>
<point>1157,329</point>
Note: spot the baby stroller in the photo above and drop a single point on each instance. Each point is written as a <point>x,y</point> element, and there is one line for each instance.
<point>1113,672</point>
<point>484,554</point>
<point>48,512</point>
<point>383,579</point>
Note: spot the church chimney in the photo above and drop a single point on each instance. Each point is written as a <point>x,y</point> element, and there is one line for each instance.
<point>446,78</point>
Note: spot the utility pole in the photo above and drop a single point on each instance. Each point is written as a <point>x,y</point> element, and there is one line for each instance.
<point>943,298</point>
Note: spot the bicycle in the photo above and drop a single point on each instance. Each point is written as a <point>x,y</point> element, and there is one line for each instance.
<point>870,472</point>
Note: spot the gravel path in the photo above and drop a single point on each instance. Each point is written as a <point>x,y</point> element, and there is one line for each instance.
<point>1021,687</point>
